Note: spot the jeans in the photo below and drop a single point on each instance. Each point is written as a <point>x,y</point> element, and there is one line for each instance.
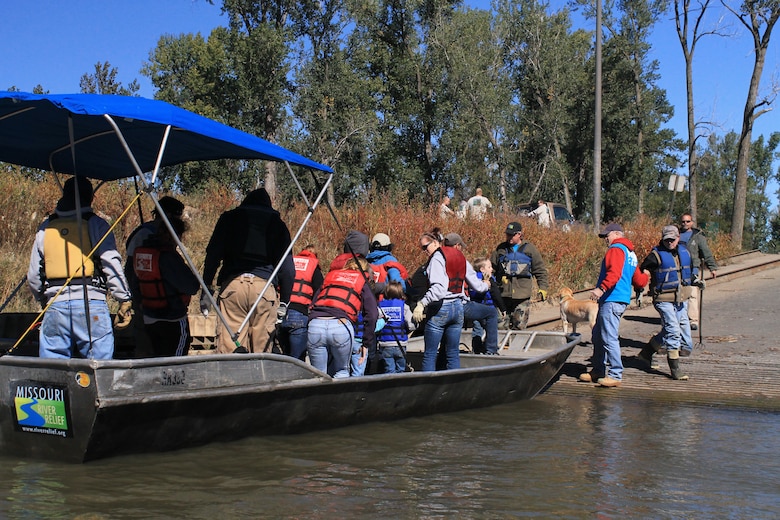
<point>675,326</point>
<point>294,330</point>
<point>64,328</point>
<point>606,341</point>
<point>356,366</point>
<point>479,312</point>
<point>393,360</point>
<point>444,327</point>
<point>330,345</point>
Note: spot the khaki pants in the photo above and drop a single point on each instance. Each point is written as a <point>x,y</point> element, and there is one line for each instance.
<point>693,305</point>
<point>235,301</point>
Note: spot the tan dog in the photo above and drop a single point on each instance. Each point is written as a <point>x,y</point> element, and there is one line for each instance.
<point>574,311</point>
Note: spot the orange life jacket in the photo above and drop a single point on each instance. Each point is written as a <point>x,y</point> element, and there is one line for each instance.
<point>380,270</point>
<point>342,289</point>
<point>303,290</point>
<point>146,263</point>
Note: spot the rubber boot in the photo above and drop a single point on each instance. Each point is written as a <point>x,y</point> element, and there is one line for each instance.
<point>673,357</point>
<point>646,354</point>
<point>477,347</point>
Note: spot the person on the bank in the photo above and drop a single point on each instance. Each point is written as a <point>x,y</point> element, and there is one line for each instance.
<point>542,214</point>
<point>165,284</point>
<point>72,326</point>
<point>249,241</point>
<point>344,294</point>
<point>478,205</point>
<point>670,267</point>
<point>619,271</point>
<point>442,302</point>
<point>308,280</point>
<point>517,263</point>
<point>701,255</point>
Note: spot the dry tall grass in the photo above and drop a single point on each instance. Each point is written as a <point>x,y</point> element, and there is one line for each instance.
<point>573,258</point>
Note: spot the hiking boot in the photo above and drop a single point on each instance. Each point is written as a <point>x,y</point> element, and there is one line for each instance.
<point>589,377</point>
<point>609,382</point>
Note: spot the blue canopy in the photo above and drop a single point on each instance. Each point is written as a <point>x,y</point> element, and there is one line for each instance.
<point>35,131</point>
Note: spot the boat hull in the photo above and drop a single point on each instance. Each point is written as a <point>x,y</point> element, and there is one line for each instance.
<point>80,410</point>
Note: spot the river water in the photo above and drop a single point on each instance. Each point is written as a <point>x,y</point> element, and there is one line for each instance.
<point>551,457</point>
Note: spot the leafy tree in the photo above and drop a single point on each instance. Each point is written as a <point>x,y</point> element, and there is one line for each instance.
<point>759,18</point>
<point>104,81</point>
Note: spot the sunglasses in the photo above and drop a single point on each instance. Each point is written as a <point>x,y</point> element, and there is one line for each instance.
<point>425,247</point>
<point>686,221</point>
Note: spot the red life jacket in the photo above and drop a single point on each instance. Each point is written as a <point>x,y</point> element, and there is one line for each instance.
<point>380,270</point>
<point>455,264</point>
<point>146,263</point>
<point>303,290</point>
<point>342,289</point>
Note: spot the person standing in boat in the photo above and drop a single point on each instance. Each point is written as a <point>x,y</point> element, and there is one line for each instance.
<point>344,294</point>
<point>249,241</point>
<point>165,284</point>
<point>308,280</point>
<point>394,336</point>
<point>77,320</point>
<point>386,267</point>
<point>173,208</point>
<point>442,302</point>
<point>516,263</point>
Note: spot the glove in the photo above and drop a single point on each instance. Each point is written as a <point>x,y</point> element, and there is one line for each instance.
<point>542,294</point>
<point>205,302</point>
<point>419,313</point>
<point>699,282</point>
<point>281,312</point>
<point>124,315</point>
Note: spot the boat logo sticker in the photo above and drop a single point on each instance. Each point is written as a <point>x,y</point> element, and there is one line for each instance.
<point>41,408</point>
<point>83,379</point>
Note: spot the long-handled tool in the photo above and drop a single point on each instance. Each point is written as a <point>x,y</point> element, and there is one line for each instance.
<point>700,343</point>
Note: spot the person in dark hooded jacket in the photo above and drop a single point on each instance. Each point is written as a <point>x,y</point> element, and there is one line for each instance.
<point>249,241</point>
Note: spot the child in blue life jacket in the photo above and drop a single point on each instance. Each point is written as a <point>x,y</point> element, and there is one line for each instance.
<point>393,337</point>
<point>484,269</point>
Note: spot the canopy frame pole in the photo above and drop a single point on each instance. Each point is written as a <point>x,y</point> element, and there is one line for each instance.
<point>148,189</point>
<point>289,248</point>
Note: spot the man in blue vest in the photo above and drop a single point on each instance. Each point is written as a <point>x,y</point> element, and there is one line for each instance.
<point>613,292</point>
<point>671,269</point>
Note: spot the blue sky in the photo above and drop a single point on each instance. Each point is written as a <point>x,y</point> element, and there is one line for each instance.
<point>54,42</point>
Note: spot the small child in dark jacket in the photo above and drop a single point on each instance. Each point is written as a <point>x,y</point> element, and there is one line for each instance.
<point>393,337</point>
<point>484,269</point>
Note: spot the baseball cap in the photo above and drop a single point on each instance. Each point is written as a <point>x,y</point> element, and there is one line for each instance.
<point>670,232</point>
<point>513,227</point>
<point>453,239</point>
<point>609,228</point>
<point>381,239</point>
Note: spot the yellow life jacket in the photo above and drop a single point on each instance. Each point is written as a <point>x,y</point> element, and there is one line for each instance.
<point>65,249</point>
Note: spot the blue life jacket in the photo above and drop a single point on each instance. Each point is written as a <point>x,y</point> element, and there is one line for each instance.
<point>515,263</point>
<point>395,328</point>
<point>674,271</point>
<point>485,297</point>
<point>621,292</point>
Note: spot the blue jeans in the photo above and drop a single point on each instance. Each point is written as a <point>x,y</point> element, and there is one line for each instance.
<point>606,340</point>
<point>330,345</point>
<point>393,359</point>
<point>64,330</point>
<point>357,367</point>
<point>479,312</point>
<point>444,327</point>
<point>295,328</point>
<point>675,325</point>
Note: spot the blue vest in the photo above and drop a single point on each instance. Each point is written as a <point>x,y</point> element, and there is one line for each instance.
<point>479,297</point>
<point>516,263</point>
<point>621,292</point>
<point>673,271</point>
<point>395,328</point>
